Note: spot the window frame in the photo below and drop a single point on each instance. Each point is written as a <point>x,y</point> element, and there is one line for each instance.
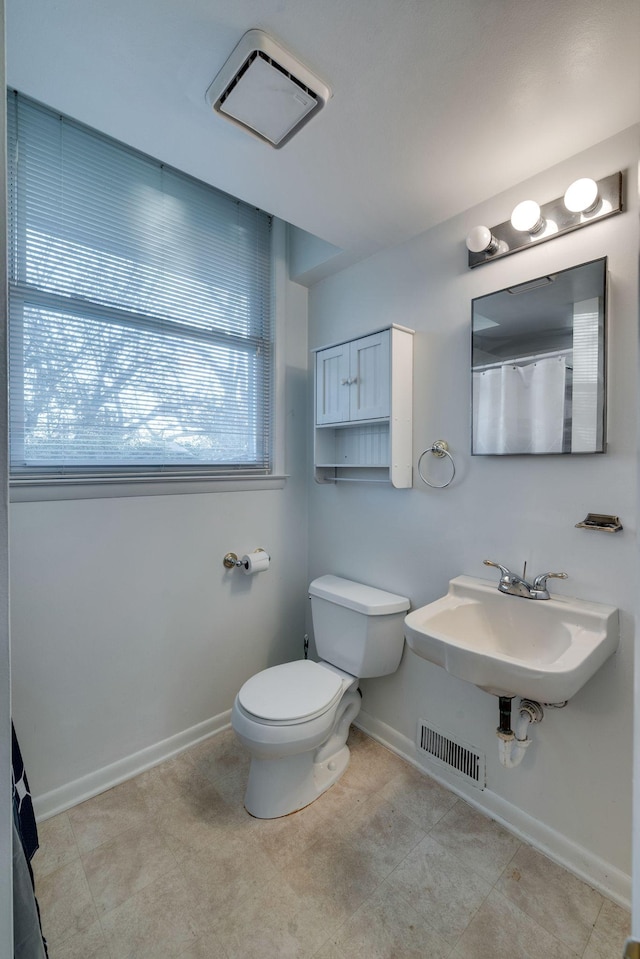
<point>52,489</point>
<point>59,482</point>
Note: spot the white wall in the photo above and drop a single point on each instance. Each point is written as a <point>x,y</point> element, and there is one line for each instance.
<point>127,629</point>
<point>573,790</point>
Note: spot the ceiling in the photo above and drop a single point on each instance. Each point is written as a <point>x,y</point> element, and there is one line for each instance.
<point>437,104</point>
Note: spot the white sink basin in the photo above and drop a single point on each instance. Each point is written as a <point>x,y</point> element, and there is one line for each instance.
<point>545,650</point>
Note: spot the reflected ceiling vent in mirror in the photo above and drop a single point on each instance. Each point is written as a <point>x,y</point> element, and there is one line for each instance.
<point>266,91</point>
<point>585,201</point>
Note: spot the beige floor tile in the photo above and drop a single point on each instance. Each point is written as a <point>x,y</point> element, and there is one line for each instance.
<point>89,944</point>
<point>382,833</point>
<point>482,844</point>
<point>612,929</point>
<point>373,764</point>
<point>206,948</point>
<point>344,796</point>
<point>160,922</point>
<point>219,756</point>
<point>66,903</point>
<point>500,930</point>
<point>122,867</point>
<point>106,816</point>
<point>329,951</point>
<point>167,782</point>
<point>338,874</point>
<point>418,797</point>
<point>191,824</point>
<point>440,887</point>
<point>285,838</point>
<point>278,923</point>
<point>357,738</point>
<point>58,845</point>
<point>386,927</point>
<point>233,787</point>
<point>231,870</point>
<point>558,901</point>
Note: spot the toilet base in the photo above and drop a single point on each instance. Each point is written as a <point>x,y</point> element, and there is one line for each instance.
<point>276,788</point>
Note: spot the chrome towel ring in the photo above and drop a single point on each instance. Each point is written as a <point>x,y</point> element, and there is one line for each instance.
<point>440,448</point>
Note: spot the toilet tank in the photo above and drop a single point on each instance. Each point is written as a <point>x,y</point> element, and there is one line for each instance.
<point>358,628</point>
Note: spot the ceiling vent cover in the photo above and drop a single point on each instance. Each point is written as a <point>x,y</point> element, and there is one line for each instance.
<point>265,90</point>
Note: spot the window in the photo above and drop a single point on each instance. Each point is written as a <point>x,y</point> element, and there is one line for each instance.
<point>140,327</point>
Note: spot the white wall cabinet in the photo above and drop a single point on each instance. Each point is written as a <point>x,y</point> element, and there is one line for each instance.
<point>352,380</point>
<point>364,400</point>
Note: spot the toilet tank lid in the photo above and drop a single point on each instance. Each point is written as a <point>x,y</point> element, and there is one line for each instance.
<point>364,599</point>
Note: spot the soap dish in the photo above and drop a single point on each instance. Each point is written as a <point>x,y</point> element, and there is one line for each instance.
<point>603,521</point>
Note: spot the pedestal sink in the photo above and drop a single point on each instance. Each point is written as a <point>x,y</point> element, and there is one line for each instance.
<point>544,650</point>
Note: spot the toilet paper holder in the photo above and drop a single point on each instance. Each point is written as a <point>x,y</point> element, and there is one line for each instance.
<point>231,561</point>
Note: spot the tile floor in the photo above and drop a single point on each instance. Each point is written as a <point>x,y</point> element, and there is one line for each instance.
<point>386,865</point>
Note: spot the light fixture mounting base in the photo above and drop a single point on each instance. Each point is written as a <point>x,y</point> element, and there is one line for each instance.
<point>557,220</point>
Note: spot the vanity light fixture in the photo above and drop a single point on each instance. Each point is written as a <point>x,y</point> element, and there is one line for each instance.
<point>585,201</point>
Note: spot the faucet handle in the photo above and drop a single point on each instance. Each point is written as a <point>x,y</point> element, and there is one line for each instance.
<point>503,569</point>
<point>540,582</point>
<point>506,576</point>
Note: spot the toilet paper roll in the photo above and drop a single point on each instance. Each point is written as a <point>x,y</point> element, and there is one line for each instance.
<point>255,562</point>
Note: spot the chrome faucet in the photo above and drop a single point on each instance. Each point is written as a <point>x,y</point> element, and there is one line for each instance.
<point>515,585</point>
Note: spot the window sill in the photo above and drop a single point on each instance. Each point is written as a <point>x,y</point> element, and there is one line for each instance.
<point>50,488</point>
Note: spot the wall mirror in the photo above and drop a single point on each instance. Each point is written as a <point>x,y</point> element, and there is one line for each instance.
<point>538,365</point>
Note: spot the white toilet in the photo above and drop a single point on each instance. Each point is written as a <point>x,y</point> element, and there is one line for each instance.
<point>294,719</point>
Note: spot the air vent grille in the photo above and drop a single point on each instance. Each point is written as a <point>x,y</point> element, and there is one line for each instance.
<point>465,760</point>
<point>265,90</point>
<point>273,63</point>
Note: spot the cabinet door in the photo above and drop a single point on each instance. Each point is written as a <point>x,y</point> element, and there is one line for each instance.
<point>369,375</point>
<point>332,384</point>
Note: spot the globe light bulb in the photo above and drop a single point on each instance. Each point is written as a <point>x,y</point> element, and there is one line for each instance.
<point>526,217</point>
<point>481,240</point>
<point>582,196</point>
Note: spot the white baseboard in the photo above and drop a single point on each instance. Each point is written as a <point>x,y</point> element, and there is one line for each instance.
<point>604,877</point>
<point>57,800</point>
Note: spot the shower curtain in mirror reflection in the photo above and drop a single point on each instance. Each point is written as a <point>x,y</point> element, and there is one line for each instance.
<point>520,409</point>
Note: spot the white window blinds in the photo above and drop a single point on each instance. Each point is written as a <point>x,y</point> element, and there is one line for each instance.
<point>140,311</point>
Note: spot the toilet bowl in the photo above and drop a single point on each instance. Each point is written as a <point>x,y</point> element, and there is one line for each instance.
<point>299,748</point>
<point>294,718</point>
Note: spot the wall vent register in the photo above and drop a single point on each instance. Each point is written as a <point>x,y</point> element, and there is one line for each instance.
<point>465,760</point>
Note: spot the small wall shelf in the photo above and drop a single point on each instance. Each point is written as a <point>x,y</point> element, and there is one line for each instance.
<point>363,409</point>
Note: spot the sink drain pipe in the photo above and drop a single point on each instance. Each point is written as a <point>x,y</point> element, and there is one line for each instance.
<point>512,745</point>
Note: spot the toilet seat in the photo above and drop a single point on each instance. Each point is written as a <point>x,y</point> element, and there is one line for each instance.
<point>291,693</point>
